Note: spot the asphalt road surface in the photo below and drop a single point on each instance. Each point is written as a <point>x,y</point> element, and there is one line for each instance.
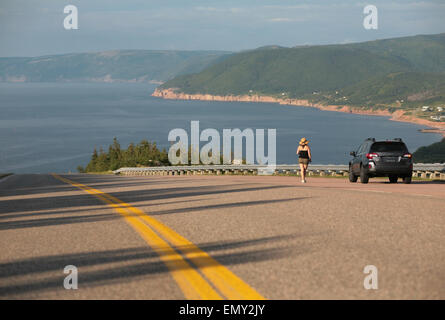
<point>211,237</point>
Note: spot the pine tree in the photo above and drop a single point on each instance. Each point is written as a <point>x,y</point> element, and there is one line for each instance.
<point>114,153</point>
<point>91,167</point>
<point>143,154</point>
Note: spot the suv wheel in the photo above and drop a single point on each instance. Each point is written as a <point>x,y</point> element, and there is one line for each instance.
<point>364,178</point>
<point>393,179</point>
<point>407,180</point>
<point>352,176</point>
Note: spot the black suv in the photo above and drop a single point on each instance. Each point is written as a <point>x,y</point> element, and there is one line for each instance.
<point>389,158</point>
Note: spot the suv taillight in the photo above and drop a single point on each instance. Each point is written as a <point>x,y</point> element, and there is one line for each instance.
<point>408,155</point>
<point>371,156</point>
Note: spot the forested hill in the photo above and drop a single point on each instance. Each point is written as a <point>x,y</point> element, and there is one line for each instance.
<point>396,69</point>
<point>434,153</point>
<point>118,65</point>
<point>425,53</point>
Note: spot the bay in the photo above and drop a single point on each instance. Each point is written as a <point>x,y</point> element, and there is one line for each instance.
<point>54,127</point>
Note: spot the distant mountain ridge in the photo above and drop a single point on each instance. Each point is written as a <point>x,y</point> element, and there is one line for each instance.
<point>400,74</point>
<point>293,71</point>
<point>302,70</point>
<point>107,66</point>
<point>425,53</point>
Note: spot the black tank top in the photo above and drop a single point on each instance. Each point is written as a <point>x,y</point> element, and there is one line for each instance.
<point>303,154</point>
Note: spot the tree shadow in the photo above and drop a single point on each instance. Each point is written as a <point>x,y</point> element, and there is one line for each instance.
<point>35,223</point>
<point>64,211</point>
<point>223,206</point>
<point>57,202</point>
<point>141,265</point>
<point>60,186</point>
<point>64,220</point>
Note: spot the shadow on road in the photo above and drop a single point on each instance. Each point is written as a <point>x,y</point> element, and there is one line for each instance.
<point>98,268</point>
<point>430,182</point>
<point>42,183</point>
<point>6,216</point>
<point>51,201</point>
<point>139,262</point>
<point>34,223</point>
<point>44,222</point>
<point>223,206</point>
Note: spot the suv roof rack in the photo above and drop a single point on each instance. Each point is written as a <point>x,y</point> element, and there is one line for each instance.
<point>372,139</point>
<point>394,139</point>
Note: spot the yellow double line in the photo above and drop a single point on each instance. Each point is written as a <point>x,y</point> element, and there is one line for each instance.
<point>208,279</point>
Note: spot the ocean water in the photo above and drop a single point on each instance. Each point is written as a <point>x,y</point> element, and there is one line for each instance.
<point>53,127</point>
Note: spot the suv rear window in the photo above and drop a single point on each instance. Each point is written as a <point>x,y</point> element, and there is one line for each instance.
<point>388,146</point>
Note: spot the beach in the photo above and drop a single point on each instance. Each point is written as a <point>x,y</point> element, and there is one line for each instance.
<point>398,115</point>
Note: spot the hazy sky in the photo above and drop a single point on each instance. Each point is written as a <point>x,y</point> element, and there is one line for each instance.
<point>35,27</point>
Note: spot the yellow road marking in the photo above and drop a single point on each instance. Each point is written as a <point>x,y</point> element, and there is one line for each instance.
<point>223,279</point>
<point>192,284</point>
<point>231,286</point>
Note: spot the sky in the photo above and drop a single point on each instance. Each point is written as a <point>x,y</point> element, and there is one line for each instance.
<point>35,27</point>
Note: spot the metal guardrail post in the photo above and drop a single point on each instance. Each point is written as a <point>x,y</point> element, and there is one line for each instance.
<point>430,171</point>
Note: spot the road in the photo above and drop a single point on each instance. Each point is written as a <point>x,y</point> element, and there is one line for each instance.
<point>212,237</point>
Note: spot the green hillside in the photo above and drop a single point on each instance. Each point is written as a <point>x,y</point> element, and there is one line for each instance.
<point>295,71</point>
<point>426,53</point>
<point>120,65</point>
<point>397,73</point>
<point>434,153</point>
<point>403,89</point>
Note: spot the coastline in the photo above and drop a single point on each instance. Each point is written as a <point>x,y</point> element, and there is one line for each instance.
<point>398,115</point>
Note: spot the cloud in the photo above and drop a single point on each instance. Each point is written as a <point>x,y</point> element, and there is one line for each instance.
<point>205,24</point>
<point>279,20</point>
<point>285,20</point>
<point>220,10</point>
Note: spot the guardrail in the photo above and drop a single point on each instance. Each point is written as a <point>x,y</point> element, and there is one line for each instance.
<point>421,170</point>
